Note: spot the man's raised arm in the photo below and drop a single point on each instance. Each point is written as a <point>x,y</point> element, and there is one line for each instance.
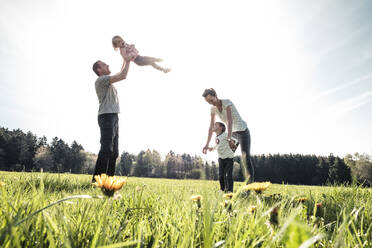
<point>122,74</point>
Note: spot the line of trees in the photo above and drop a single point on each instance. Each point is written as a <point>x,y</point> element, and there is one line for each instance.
<point>21,151</point>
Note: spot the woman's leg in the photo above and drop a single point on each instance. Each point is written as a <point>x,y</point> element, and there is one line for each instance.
<point>244,139</point>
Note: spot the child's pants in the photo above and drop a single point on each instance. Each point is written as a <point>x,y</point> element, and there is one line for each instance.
<point>225,174</point>
<point>144,60</point>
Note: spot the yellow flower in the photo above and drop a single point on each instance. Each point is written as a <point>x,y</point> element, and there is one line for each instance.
<point>257,187</point>
<point>2,184</point>
<point>228,195</point>
<point>109,185</point>
<point>196,198</point>
<point>302,199</point>
<point>252,209</point>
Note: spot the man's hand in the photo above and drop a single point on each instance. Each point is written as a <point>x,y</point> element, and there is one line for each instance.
<point>122,74</point>
<point>124,54</point>
<point>127,58</point>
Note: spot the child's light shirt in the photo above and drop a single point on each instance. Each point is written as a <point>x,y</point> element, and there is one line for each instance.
<point>131,51</point>
<point>223,147</point>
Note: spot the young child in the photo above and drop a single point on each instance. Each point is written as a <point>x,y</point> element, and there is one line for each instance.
<point>225,156</point>
<point>129,50</point>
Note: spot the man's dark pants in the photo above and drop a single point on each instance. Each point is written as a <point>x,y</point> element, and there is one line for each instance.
<point>225,169</point>
<point>244,139</point>
<point>109,152</point>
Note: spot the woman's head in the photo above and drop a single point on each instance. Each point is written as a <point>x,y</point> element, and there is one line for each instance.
<point>117,42</point>
<point>210,96</point>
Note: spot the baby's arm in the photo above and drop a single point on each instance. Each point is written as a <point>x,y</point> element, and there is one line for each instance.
<point>123,52</point>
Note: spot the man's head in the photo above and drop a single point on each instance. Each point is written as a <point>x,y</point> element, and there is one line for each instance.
<point>100,68</point>
<point>210,96</point>
<point>219,128</point>
<point>117,42</point>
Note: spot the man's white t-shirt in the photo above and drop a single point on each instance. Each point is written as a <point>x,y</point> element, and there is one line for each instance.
<point>238,124</point>
<point>107,96</point>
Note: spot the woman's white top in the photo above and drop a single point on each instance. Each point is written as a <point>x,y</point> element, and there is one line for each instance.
<point>238,124</point>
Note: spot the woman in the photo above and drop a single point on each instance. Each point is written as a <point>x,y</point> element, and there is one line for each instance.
<point>236,127</point>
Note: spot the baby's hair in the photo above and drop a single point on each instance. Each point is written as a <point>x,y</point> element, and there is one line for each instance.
<point>222,126</point>
<point>114,41</point>
<point>210,91</point>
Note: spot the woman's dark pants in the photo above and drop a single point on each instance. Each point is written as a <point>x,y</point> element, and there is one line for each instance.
<point>244,139</point>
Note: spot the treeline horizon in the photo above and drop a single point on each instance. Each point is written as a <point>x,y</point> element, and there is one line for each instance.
<point>20,151</point>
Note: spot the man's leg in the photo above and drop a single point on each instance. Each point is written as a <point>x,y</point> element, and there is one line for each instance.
<point>115,151</point>
<point>244,139</point>
<point>221,173</point>
<point>229,172</point>
<point>107,132</point>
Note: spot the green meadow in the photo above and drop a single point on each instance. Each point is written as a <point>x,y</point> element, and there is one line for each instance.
<point>149,212</point>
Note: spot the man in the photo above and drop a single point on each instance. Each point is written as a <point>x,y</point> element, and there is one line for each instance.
<point>108,119</point>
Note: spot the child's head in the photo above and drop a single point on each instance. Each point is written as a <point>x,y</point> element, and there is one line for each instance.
<point>219,128</point>
<point>117,42</point>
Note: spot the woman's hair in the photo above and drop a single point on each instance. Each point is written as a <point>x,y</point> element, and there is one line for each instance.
<point>210,91</point>
<point>115,41</point>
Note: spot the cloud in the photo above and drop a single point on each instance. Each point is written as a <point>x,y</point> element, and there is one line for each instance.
<point>351,103</point>
<point>343,86</point>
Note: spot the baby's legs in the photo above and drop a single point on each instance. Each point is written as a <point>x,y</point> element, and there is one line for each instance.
<point>145,60</point>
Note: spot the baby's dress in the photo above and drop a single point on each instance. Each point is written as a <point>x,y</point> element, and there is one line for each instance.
<point>131,51</point>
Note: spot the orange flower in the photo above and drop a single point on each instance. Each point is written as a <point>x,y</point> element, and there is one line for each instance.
<point>196,198</point>
<point>319,209</point>
<point>274,216</point>
<point>302,199</point>
<point>252,209</point>
<point>225,203</point>
<point>228,195</point>
<point>109,185</point>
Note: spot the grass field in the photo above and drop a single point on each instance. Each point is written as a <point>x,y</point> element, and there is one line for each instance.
<point>159,213</point>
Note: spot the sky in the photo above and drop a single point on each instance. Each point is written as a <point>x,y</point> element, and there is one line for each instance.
<point>299,72</point>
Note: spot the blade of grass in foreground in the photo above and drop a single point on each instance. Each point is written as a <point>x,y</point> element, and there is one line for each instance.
<point>55,203</point>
